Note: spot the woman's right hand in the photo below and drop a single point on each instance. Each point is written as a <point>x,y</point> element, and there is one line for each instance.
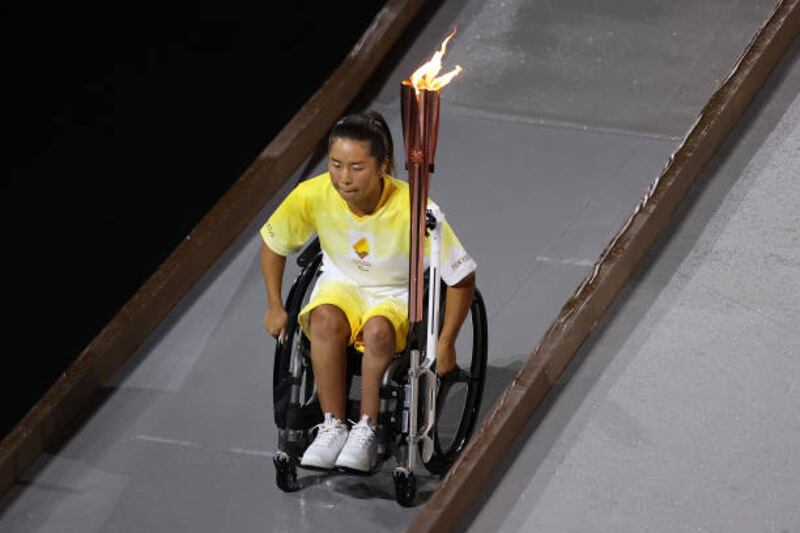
<point>275,322</point>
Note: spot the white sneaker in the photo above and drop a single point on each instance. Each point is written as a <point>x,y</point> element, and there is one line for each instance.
<point>328,443</point>
<point>360,453</point>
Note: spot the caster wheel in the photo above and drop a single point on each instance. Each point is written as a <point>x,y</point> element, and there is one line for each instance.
<point>405,487</point>
<point>285,472</point>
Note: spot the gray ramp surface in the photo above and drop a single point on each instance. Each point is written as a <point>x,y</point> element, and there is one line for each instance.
<point>183,437</point>
<point>681,412</point>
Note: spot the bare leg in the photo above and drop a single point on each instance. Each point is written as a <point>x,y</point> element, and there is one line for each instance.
<point>379,345</point>
<point>330,332</point>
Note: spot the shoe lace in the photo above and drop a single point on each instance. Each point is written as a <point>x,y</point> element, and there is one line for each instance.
<point>361,432</point>
<point>327,430</point>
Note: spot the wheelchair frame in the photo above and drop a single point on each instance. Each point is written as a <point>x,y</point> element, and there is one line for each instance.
<point>410,392</point>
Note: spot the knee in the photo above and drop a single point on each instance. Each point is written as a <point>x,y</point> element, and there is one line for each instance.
<point>328,322</point>
<point>379,336</point>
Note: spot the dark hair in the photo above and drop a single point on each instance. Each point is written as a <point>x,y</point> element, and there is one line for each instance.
<point>368,126</point>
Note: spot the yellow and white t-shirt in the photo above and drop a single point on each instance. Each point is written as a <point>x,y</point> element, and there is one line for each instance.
<point>370,251</point>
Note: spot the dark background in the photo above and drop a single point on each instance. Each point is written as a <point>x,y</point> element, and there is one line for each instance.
<point>126,124</point>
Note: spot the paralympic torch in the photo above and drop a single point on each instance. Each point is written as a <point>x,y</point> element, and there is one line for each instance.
<point>419,103</point>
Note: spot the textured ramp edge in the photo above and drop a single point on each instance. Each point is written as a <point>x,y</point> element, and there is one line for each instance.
<point>49,419</point>
<point>585,307</point>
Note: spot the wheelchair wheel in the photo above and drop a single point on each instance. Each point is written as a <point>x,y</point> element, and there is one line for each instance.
<point>405,487</point>
<point>285,472</point>
<point>459,397</point>
<point>295,410</point>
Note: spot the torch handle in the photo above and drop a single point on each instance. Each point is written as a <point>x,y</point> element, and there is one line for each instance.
<point>418,182</point>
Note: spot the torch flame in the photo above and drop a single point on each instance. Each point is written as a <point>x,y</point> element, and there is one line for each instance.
<point>425,77</point>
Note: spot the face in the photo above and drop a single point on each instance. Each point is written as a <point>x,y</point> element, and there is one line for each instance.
<point>354,172</point>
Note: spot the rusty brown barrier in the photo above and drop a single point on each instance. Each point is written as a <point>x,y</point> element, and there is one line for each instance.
<point>49,419</point>
<point>450,502</point>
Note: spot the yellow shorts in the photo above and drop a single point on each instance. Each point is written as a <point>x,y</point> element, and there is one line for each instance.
<point>359,305</point>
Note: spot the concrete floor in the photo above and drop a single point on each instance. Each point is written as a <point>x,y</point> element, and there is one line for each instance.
<point>681,412</point>
<point>183,438</point>
<point>627,65</point>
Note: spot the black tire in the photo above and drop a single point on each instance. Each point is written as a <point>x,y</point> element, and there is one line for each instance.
<point>281,377</point>
<point>449,438</point>
<point>405,487</point>
<point>285,473</point>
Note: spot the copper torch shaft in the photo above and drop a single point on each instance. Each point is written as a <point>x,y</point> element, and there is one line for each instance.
<point>420,115</point>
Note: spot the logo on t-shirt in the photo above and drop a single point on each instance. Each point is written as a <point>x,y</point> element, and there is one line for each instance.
<point>362,248</point>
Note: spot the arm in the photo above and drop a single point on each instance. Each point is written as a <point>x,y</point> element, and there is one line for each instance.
<point>272,267</point>
<point>459,299</point>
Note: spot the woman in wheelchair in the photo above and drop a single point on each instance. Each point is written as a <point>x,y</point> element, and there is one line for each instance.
<point>361,216</point>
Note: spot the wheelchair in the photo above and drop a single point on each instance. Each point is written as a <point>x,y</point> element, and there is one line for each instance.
<point>457,395</point>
